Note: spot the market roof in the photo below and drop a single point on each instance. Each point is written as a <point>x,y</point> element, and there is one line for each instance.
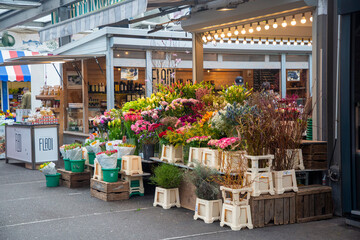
<point>46,59</point>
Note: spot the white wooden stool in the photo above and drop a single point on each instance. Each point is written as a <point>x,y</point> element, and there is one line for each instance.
<point>172,154</point>
<point>167,198</point>
<point>211,158</point>
<point>208,210</point>
<point>195,155</point>
<point>131,165</point>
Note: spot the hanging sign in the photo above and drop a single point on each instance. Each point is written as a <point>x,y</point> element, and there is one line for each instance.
<point>129,74</point>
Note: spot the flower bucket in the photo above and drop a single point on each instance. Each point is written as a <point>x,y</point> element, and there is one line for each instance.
<point>110,174</point>
<point>148,151</point>
<point>77,165</point>
<point>52,180</point>
<point>91,158</point>
<point>118,165</point>
<point>67,165</point>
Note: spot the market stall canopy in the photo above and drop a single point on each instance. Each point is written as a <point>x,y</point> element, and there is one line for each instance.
<point>45,59</point>
<point>113,13</point>
<point>16,72</point>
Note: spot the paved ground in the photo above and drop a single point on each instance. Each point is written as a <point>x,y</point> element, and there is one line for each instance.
<point>29,210</point>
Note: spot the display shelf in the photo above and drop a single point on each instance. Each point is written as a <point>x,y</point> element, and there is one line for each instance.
<point>55,110</point>
<point>47,97</point>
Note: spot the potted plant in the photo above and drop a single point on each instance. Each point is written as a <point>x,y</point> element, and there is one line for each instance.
<point>123,149</point>
<point>167,179</point>
<point>172,141</point>
<point>208,201</point>
<point>52,177</point>
<point>108,162</point>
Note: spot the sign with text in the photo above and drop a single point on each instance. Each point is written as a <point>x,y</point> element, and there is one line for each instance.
<point>46,144</point>
<point>166,76</point>
<point>18,143</point>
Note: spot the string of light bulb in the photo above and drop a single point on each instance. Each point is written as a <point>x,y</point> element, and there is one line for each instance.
<point>266,41</point>
<point>216,36</point>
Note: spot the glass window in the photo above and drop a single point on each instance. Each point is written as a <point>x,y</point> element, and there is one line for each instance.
<point>297,58</point>
<point>244,57</point>
<point>275,58</point>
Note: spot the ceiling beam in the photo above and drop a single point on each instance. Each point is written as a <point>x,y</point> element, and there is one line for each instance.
<point>11,4</point>
<point>23,16</point>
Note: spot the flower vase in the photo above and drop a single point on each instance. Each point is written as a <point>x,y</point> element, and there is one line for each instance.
<point>148,151</point>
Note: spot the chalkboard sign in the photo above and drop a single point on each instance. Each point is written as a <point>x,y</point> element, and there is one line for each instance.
<point>266,75</point>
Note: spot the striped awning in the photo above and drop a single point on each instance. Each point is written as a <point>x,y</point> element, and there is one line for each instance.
<point>114,13</point>
<point>20,73</point>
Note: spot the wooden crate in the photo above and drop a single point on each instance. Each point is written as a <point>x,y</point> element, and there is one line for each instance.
<point>109,191</point>
<point>74,180</point>
<point>273,209</point>
<point>29,166</point>
<point>187,195</point>
<point>314,154</point>
<point>313,202</point>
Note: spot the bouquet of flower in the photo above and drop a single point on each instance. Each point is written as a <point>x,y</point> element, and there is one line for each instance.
<point>116,129</point>
<point>101,122</point>
<point>10,115</point>
<point>236,94</point>
<point>129,119</point>
<point>198,141</point>
<point>63,152</point>
<point>107,159</point>
<point>226,144</point>
<point>48,168</point>
<point>74,151</point>
<point>124,149</point>
<point>146,131</point>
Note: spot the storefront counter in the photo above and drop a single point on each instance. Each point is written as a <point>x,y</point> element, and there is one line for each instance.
<point>32,144</point>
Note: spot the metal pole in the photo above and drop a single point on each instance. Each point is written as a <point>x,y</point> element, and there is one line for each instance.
<point>110,94</point>
<point>148,81</point>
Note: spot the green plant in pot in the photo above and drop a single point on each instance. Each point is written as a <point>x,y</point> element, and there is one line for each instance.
<point>208,201</point>
<point>167,179</point>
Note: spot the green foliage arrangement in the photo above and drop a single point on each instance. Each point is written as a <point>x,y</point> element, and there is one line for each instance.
<point>167,176</point>
<point>203,179</point>
<point>236,94</point>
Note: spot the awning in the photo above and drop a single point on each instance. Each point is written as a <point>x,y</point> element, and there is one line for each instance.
<point>111,14</point>
<point>20,73</point>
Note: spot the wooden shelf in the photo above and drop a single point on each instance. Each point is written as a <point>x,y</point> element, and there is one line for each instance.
<point>47,97</point>
<point>55,110</point>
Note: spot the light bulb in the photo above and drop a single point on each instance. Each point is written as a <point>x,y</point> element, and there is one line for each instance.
<point>229,33</point>
<point>281,43</point>
<point>267,25</point>
<point>309,43</point>
<point>222,35</point>
<point>267,42</point>
<point>275,25</point>
<point>251,30</point>
<point>216,35</point>
<point>295,42</point>
<point>311,17</point>
<point>258,28</point>
<point>221,40</point>
<point>288,42</point>
<point>244,42</point>
<point>203,37</point>
<point>259,42</point>
<point>293,21</point>
<point>302,42</point>
<point>284,23</point>
<point>237,41</point>
<point>208,37</point>
<point>252,41</point>
<point>229,41</point>
<point>214,42</point>
<point>236,31</point>
<point>205,41</point>
<point>243,31</point>
<point>303,19</point>
<point>274,42</point>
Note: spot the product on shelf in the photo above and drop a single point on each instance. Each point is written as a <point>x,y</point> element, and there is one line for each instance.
<point>44,116</point>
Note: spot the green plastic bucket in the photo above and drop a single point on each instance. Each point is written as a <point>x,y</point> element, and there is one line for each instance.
<point>77,165</point>
<point>52,180</point>
<point>67,165</point>
<point>91,158</point>
<point>118,165</point>
<point>110,174</point>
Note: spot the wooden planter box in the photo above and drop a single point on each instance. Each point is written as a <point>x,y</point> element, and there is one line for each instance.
<point>231,160</point>
<point>131,165</point>
<point>236,217</point>
<point>313,202</point>
<point>277,209</point>
<point>172,154</point>
<point>314,154</point>
<point>284,181</point>
<point>207,210</point>
<point>74,180</point>
<point>195,155</point>
<point>109,191</point>
<point>211,158</point>
<point>167,198</point>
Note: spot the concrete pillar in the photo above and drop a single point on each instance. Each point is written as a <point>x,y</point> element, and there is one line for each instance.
<point>148,77</point>
<point>110,94</point>
<point>197,58</point>
<point>283,75</point>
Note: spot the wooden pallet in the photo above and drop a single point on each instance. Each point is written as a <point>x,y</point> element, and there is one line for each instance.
<point>313,202</point>
<point>314,154</point>
<point>273,209</point>
<point>109,191</point>
<point>74,180</point>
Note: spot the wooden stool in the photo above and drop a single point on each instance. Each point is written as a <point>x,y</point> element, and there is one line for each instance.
<point>172,154</point>
<point>211,158</point>
<point>131,165</point>
<point>167,198</point>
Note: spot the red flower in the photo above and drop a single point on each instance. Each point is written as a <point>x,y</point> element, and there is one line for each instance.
<point>162,134</point>
<point>154,126</point>
<point>170,128</point>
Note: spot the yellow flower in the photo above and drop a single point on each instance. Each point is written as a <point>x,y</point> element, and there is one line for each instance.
<point>8,111</point>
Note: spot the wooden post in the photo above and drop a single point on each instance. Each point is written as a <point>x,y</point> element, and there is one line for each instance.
<point>64,99</point>
<point>85,96</point>
<point>197,58</point>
